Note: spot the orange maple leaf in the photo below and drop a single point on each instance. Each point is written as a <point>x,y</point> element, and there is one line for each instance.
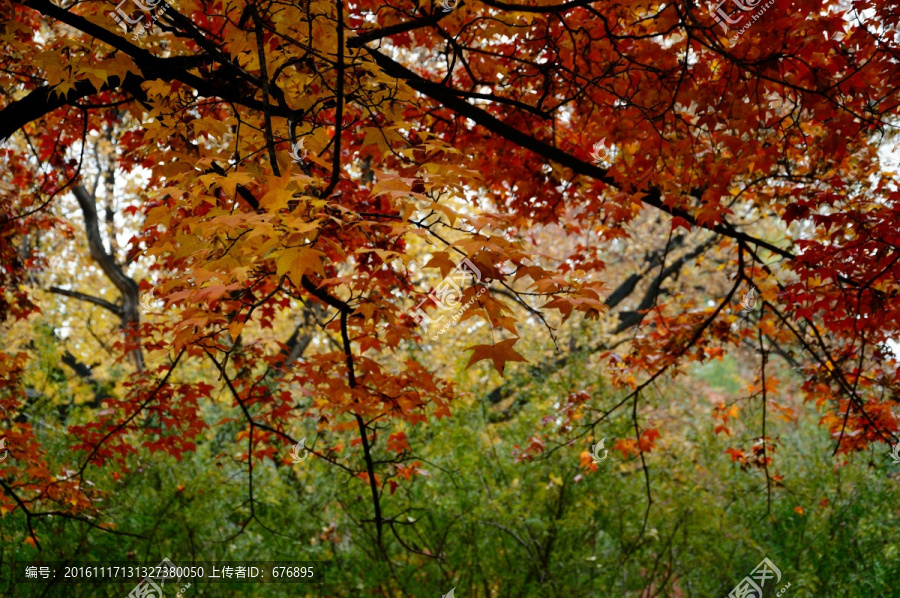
<point>626,446</point>
<point>736,454</point>
<point>647,439</point>
<point>499,353</point>
<point>397,442</point>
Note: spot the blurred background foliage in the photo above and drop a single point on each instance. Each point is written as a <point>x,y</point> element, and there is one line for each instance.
<point>498,507</point>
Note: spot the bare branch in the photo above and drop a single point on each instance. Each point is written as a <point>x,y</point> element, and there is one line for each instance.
<point>125,284</point>
<point>116,309</point>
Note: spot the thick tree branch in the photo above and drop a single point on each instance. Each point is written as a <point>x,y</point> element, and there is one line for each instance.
<point>627,319</point>
<point>221,83</point>
<point>125,284</point>
<point>549,9</point>
<point>44,100</point>
<point>371,35</point>
<point>651,197</point>
<point>116,309</point>
<point>85,373</point>
<point>300,339</point>
<point>338,112</point>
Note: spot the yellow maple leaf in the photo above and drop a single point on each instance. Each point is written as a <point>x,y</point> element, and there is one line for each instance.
<point>297,261</point>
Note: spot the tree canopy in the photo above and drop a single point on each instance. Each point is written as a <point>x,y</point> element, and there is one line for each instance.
<point>231,228</point>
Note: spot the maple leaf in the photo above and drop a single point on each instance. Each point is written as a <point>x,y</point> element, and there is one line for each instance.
<point>499,354</point>
<point>441,260</point>
<point>299,261</point>
<point>587,461</point>
<point>736,454</point>
<point>647,439</point>
<point>626,446</point>
<point>398,442</point>
<point>678,221</point>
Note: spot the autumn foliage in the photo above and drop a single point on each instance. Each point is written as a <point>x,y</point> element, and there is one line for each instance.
<point>296,178</point>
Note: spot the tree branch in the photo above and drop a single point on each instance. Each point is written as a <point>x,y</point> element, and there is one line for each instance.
<point>651,197</point>
<point>130,316</point>
<point>374,34</point>
<point>116,309</point>
<point>85,373</point>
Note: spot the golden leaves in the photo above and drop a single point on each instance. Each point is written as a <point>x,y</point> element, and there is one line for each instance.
<point>298,261</point>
